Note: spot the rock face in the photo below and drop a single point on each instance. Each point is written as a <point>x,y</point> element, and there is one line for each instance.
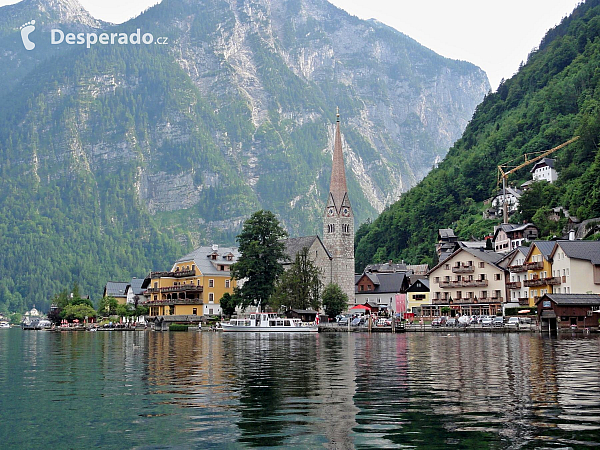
<point>235,113</point>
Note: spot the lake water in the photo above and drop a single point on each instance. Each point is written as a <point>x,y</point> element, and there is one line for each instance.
<point>332,390</point>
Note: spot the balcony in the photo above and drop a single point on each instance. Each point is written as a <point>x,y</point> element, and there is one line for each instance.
<point>513,285</point>
<point>552,280</point>
<point>180,288</point>
<point>439,301</point>
<point>535,282</point>
<point>180,274</point>
<point>463,269</point>
<point>534,265</point>
<point>517,268</point>
<point>496,299</point>
<point>175,301</point>
<point>524,301</point>
<point>475,283</point>
<point>452,283</point>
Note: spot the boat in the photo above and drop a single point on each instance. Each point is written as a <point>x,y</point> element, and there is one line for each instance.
<point>269,322</point>
<point>4,325</point>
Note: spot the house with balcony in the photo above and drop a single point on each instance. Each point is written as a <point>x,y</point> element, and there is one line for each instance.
<point>576,264</point>
<point>518,293</point>
<point>538,264</point>
<point>194,285</point>
<point>508,236</point>
<point>470,281</point>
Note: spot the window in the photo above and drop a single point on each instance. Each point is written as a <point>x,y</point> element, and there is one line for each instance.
<point>211,283</point>
<point>227,283</point>
<point>193,267</point>
<point>497,276</point>
<point>194,311</point>
<point>156,285</point>
<point>331,228</point>
<point>211,297</point>
<point>481,264</point>
<point>437,279</point>
<point>447,266</point>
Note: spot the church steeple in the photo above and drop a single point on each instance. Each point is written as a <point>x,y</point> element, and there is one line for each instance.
<point>338,189</point>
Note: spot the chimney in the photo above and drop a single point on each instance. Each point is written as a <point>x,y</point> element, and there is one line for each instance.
<point>215,247</point>
<point>572,235</point>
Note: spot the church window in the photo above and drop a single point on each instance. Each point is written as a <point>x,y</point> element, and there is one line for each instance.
<point>331,228</point>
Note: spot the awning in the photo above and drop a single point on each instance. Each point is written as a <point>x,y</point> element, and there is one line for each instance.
<point>524,311</point>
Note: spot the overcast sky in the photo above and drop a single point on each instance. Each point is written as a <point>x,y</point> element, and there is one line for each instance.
<point>495,35</point>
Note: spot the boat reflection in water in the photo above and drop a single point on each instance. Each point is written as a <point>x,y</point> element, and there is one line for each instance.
<point>258,322</point>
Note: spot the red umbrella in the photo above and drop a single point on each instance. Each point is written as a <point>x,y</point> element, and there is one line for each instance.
<point>361,307</point>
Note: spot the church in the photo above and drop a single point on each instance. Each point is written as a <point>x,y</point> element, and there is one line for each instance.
<point>334,253</point>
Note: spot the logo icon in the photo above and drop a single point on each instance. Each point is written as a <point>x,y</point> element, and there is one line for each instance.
<point>26,30</point>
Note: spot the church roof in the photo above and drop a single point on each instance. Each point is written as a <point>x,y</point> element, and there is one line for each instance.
<point>293,246</point>
<point>338,189</point>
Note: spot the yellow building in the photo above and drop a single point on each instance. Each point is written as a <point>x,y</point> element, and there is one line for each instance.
<point>539,270</point>
<point>194,285</point>
<point>417,295</point>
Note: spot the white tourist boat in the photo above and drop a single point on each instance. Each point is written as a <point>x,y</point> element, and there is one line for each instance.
<point>4,324</point>
<point>258,322</point>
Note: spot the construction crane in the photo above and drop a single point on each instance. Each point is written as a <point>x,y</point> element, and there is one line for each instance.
<point>504,174</point>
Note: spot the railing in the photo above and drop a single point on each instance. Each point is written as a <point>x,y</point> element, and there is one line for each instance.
<point>496,299</point>
<point>552,280</point>
<point>463,283</point>
<point>534,282</point>
<point>440,301</point>
<point>517,268</point>
<point>475,283</point>
<point>174,301</point>
<point>524,301</point>
<point>463,269</point>
<point>179,274</point>
<point>534,265</point>
<point>180,288</point>
<point>513,285</point>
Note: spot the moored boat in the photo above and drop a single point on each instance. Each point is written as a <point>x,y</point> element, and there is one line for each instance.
<point>4,325</point>
<point>269,322</point>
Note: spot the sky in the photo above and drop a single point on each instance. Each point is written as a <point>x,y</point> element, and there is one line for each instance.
<point>495,35</point>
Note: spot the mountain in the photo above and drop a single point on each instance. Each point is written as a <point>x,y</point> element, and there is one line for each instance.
<point>553,97</point>
<point>116,158</point>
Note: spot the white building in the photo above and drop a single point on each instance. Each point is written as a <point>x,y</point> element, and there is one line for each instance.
<point>577,264</point>
<point>544,170</point>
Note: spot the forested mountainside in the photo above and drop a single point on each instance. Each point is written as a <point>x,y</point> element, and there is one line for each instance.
<point>118,158</point>
<point>553,97</point>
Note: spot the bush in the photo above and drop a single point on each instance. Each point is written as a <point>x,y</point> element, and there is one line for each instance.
<point>178,327</point>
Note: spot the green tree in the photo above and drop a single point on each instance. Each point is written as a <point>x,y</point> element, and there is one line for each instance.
<point>228,304</point>
<point>124,310</point>
<point>16,318</point>
<point>79,312</point>
<point>299,286</point>
<point>262,250</point>
<point>107,306</point>
<point>335,301</point>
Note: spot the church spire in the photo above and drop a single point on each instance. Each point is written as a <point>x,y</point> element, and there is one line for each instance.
<point>338,190</point>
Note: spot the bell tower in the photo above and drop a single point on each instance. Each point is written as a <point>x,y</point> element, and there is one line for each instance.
<point>338,222</point>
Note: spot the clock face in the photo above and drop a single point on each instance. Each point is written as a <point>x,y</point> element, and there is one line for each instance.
<point>330,211</point>
<point>346,212</point>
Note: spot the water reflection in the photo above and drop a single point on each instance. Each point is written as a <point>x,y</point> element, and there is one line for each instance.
<point>146,389</point>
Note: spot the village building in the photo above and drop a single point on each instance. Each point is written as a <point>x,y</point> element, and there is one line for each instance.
<point>134,291</point>
<point>576,267</point>
<point>470,281</point>
<point>447,243</point>
<point>508,236</point>
<point>384,290</point>
<point>117,290</point>
<point>194,285</point>
<point>539,271</point>
<point>317,253</point>
<point>544,170</point>
<point>568,311</point>
<point>417,296</point>
<point>518,294</point>
<point>511,197</point>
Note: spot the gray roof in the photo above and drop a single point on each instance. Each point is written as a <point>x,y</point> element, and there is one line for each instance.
<point>545,248</point>
<point>586,250</point>
<point>387,283</point>
<point>202,258</point>
<point>136,286</point>
<point>488,256</point>
<point>446,233</point>
<point>386,267</point>
<point>573,299</point>
<point>115,288</point>
<point>293,246</point>
<point>545,161</point>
